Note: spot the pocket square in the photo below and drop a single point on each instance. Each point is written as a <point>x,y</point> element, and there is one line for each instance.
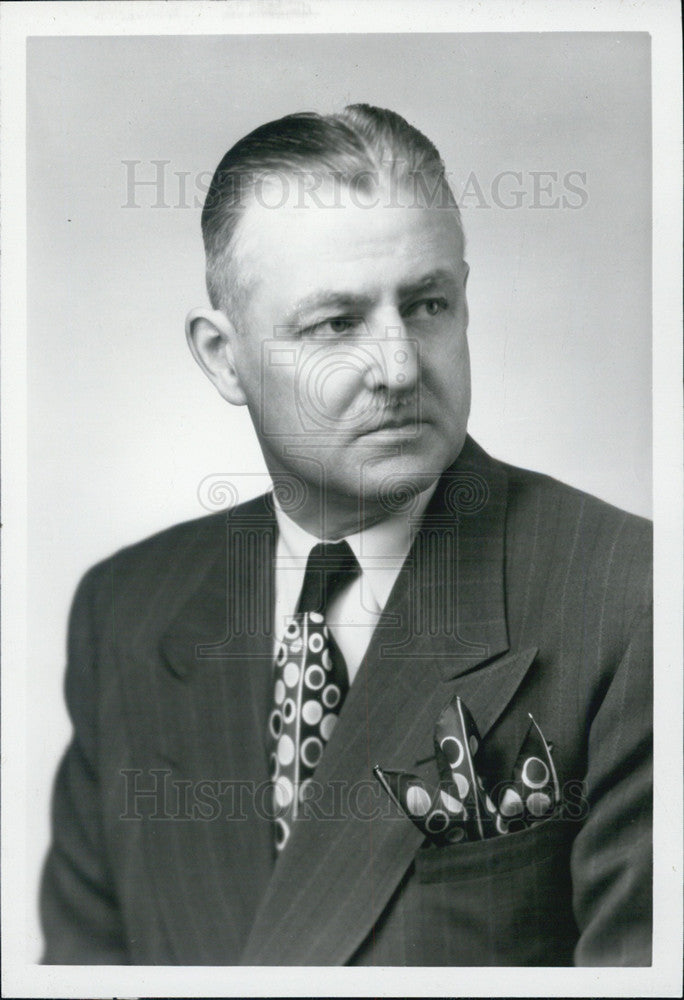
<point>460,808</point>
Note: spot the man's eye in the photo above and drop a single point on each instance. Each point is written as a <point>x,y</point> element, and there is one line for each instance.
<point>340,324</point>
<point>428,307</point>
<point>335,327</point>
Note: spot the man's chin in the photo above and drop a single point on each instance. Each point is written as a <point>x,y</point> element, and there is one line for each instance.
<point>392,479</point>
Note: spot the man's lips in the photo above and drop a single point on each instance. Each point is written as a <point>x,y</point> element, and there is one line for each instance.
<point>395,425</point>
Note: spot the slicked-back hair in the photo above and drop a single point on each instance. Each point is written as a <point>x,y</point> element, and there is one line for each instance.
<point>359,147</point>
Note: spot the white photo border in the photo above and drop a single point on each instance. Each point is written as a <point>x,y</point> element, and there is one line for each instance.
<point>662,20</point>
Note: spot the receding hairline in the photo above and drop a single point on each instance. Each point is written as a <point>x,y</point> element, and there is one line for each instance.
<point>238,268</point>
<point>357,147</point>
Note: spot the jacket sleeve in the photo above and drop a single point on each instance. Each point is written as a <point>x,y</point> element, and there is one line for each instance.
<point>612,854</point>
<point>80,918</point>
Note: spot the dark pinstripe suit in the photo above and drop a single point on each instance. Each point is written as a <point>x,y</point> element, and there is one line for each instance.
<point>520,593</point>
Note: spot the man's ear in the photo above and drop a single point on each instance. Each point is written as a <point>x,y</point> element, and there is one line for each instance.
<point>210,336</point>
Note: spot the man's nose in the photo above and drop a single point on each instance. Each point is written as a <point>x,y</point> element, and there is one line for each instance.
<point>395,355</point>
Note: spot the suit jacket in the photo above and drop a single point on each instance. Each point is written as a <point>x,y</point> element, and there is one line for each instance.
<point>520,594</point>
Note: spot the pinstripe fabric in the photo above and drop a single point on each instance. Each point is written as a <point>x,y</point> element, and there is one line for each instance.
<point>520,594</point>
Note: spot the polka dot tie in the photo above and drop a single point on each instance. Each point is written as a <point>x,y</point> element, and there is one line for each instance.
<point>311,683</point>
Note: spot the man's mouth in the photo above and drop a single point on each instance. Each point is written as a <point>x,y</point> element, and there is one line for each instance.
<point>403,425</point>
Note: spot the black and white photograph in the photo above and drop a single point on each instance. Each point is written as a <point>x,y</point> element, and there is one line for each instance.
<point>341,499</point>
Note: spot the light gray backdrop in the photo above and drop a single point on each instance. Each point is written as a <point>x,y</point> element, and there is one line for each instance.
<point>124,428</point>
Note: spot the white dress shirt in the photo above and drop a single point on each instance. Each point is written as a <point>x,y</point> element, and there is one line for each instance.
<point>353,613</point>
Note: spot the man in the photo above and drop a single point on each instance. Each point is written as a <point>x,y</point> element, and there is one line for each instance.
<point>233,681</point>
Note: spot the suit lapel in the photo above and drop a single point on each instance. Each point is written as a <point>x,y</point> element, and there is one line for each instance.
<point>211,690</point>
<point>443,632</point>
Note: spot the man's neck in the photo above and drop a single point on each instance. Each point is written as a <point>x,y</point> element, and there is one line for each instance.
<point>331,522</point>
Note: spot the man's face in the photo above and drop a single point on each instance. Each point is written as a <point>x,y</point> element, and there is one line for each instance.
<point>351,348</point>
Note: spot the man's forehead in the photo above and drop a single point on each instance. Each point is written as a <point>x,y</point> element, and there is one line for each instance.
<point>278,224</point>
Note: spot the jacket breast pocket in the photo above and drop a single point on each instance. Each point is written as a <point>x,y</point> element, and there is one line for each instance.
<point>495,856</point>
<point>502,901</point>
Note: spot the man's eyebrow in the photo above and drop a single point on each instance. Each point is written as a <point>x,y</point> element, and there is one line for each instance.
<point>354,303</point>
<point>427,281</point>
<point>348,302</point>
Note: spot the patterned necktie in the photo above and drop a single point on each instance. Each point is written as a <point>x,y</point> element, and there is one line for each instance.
<point>311,682</point>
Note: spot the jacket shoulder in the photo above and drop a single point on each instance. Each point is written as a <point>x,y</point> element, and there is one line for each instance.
<point>554,498</point>
<point>152,578</point>
<point>578,537</point>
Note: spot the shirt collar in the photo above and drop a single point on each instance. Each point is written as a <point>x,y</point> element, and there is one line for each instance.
<point>380,549</point>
